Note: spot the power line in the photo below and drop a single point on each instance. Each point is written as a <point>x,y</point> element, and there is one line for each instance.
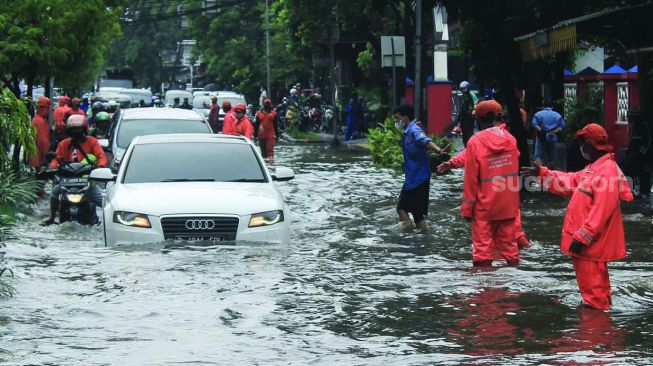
<point>160,17</point>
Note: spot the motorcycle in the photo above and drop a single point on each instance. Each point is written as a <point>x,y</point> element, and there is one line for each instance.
<point>74,203</point>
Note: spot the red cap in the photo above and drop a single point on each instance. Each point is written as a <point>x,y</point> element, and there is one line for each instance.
<point>63,99</point>
<point>43,102</point>
<point>226,104</point>
<point>595,135</point>
<point>76,100</point>
<point>483,108</point>
<point>240,107</point>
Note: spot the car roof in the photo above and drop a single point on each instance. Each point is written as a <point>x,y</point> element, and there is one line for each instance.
<point>190,137</point>
<point>161,113</point>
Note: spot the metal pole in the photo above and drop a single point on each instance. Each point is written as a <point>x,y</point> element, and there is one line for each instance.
<point>267,46</point>
<point>394,74</point>
<point>334,85</point>
<point>418,59</point>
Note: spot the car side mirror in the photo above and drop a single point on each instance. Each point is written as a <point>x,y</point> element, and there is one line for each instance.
<point>102,175</point>
<point>104,143</point>
<point>282,174</point>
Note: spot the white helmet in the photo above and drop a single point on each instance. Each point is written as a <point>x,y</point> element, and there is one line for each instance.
<point>293,91</point>
<point>464,86</point>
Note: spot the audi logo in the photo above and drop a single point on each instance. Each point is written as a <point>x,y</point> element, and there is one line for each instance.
<point>200,224</point>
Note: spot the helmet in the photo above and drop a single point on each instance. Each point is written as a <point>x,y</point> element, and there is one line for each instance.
<point>76,120</point>
<point>464,86</point>
<point>240,107</point>
<point>76,101</point>
<point>293,91</point>
<point>267,102</point>
<point>226,104</point>
<point>102,116</point>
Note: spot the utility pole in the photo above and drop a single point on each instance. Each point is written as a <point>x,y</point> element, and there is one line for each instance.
<point>334,84</point>
<point>418,59</point>
<point>267,45</point>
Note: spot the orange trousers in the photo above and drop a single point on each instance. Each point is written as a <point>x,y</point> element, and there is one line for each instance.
<point>488,236</point>
<point>593,283</point>
<point>267,147</point>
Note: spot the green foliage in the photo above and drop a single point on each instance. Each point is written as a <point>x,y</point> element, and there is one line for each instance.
<point>18,190</point>
<point>147,33</point>
<point>64,39</point>
<point>580,112</point>
<point>15,126</point>
<point>384,143</point>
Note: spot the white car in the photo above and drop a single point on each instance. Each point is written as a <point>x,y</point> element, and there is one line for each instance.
<point>193,187</point>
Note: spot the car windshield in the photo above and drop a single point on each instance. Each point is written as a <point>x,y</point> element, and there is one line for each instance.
<point>171,95</point>
<point>202,102</point>
<point>233,100</point>
<point>128,129</point>
<point>193,162</point>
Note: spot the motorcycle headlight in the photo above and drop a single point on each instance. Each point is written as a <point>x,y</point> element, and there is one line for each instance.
<point>74,198</point>
<point>266,218</point>
<point>131,219</point>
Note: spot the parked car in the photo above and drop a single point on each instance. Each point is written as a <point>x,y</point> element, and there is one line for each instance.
<point>181,94</point>
<point>165,192</point>
<point>137,95</point>
<point>149,121</point>
<point>198,93</point>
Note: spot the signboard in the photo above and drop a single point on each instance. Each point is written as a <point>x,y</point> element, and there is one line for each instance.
<point>393,48</point>
<point>440,24</point>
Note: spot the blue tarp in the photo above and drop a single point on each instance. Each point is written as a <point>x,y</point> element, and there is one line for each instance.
<point>409,81</point>
<point>616,69</point>
<point>568,72</point>
<point>633,69</point>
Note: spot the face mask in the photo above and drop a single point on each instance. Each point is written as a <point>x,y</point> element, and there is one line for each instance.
<point>399,125</point>
<point>585,154</point>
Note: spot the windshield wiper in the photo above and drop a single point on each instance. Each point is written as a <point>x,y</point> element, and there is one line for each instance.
<point>247,180</point>
<point>188,180</point>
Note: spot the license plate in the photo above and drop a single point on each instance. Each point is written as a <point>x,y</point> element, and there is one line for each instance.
<point>200,238</point>
<point>74,181</point>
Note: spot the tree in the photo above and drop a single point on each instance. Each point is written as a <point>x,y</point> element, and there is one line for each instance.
<point>66,40</point>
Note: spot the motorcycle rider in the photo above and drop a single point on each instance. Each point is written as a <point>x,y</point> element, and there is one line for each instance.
<point>78,147</point>
<point>266,129</point>
<point>239,125</point>
<point>100,127</point>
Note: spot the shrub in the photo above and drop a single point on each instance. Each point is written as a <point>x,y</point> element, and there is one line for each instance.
<point>384,143</point>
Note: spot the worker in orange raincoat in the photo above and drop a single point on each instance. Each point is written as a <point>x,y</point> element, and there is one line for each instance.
<point>457,162</point>
<point>40,123</point>
<point>491,187</point>
<point>76,108</point>
<point>239,124</point>
<point>592,232</point>
<point>228,118</point>
<point>266,129</point>
<point>59,116</point>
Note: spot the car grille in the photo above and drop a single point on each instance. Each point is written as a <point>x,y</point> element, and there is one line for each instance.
<point>200,228</point>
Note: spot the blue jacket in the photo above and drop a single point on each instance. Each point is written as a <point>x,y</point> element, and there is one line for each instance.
<point>417,166</point>
<point>548,120</point>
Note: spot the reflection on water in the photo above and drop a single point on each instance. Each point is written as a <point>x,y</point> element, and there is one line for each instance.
<point>349,289</point>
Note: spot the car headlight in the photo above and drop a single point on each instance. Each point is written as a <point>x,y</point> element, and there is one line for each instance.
<point>266,218</point>
<point>74,198</point>
<point>131,219</point>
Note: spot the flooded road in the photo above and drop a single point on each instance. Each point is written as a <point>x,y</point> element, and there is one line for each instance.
<point>350,289</point>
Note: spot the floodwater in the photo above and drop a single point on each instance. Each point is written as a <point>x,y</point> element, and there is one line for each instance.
<point>350,289</point>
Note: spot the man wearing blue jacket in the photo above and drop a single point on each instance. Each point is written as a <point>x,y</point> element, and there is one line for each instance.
<point>414,196</point>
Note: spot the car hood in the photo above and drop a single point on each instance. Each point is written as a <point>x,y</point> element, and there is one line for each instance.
<point>196,198</point>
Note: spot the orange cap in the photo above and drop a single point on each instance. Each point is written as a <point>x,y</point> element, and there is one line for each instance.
<point>240,107</point>
<point>43,102</point>
<point>483,108</point>
<point>595,135</point>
